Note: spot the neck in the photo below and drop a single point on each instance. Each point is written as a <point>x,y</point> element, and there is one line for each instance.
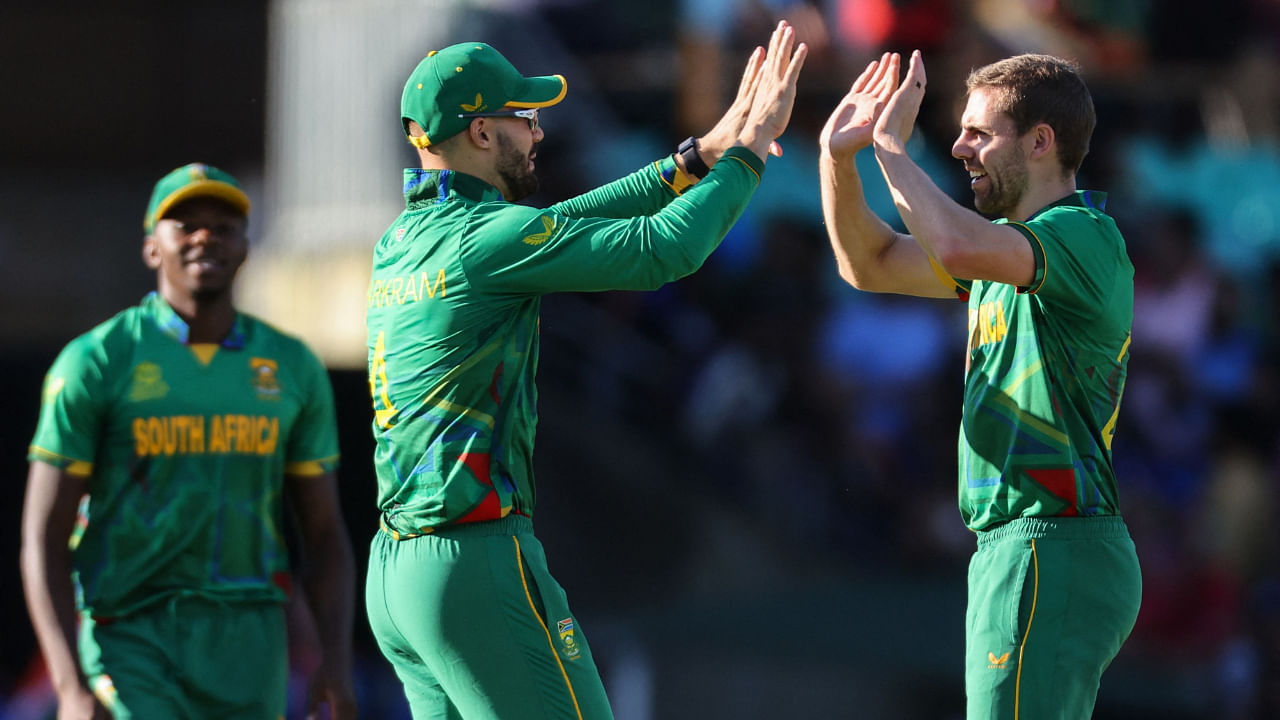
<point>471,163</point>
<point>1043,195</point>
<point>208,320</point>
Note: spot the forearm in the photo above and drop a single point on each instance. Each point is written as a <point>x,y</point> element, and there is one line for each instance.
<point>329,581</point>
<point>690,228</point>
<point>50,595</point>
<point>937,223</point>
<point>639,193</point>
<point>859,238</point>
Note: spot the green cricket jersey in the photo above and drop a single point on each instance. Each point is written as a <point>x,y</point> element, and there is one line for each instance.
<point>452,315</point>
<point>185,448</point>
<point>1046,368</point>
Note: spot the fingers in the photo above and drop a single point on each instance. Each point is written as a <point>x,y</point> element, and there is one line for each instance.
<point>779,49</point>
<point>890,80</point>
<point>871,76</point>
<point>797,62</point>
<point>751,74</point>
<point>780,34</point>
<point>915,77</point>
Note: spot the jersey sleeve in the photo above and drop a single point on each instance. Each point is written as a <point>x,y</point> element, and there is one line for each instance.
<point>622,246</point>
<point>1076,258</point>
<point>72,410</point>
<point>312,448</point>
<point>643,192</point>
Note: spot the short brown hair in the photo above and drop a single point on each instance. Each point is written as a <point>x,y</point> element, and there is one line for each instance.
<point>1033,89</point>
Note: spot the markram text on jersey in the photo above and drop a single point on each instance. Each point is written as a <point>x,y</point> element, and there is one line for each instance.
<point>407,289</point>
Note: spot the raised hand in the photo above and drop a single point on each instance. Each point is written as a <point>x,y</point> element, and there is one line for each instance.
<point>774,93</point>
<point>898,119</point>
<point>726,131</point>
<point>850,127</point>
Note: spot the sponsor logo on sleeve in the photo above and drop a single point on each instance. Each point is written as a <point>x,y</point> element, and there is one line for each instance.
<point>548,229</point>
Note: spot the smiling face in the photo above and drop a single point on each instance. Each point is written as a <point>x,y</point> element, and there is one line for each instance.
<point>994,154</point>
<point>196,249</point>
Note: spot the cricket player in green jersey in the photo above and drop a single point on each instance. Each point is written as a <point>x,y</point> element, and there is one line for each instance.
<point>459,595</point>
<point>1054,585</point>
<point>177,428</point>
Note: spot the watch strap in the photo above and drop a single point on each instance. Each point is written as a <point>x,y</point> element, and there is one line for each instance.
<point>693,164</point>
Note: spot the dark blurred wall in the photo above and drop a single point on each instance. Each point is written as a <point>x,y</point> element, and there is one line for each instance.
<point>130,84</point>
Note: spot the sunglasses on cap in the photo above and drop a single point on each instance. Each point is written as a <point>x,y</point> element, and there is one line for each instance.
<point>530,114</point>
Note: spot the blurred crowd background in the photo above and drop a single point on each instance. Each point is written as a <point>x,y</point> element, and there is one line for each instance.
<point>748,476</point>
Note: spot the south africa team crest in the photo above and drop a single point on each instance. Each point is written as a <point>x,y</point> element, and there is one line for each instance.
<point>264,378</point>
<point>571,649</point>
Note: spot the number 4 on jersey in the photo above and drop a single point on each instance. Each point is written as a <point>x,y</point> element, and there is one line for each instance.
<point>379,388</point>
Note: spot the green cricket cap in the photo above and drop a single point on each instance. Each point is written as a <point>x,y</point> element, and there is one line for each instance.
<point>194,180</point>
<point>469,77</point>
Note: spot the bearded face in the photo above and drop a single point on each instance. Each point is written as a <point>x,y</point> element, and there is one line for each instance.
<point>515,168</point>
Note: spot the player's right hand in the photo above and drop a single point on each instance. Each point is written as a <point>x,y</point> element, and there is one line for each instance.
<point>851,125</point>
<point>774,95</point>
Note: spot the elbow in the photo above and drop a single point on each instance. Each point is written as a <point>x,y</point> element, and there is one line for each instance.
<point>859,280</point>
<point>864,279</point>
<point>955,255</point>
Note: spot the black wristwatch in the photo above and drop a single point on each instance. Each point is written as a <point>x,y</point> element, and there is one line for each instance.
<point>693,163</point>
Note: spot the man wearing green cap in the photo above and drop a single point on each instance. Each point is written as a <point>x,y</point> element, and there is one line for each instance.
<point>166,440</point>
<point>459,595</point>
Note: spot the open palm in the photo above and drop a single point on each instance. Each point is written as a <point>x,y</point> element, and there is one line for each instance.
<point>849,129</point>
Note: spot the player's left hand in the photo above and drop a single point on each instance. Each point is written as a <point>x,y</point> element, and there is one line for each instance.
<point>850,127</point>
<point>332,687</point>
<point>725,133</point>
<point>894,127</point>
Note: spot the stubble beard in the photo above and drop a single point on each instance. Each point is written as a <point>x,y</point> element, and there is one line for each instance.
<point>1007,183</point>
<point>513,168</point>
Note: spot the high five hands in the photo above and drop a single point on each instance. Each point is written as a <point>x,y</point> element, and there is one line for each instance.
<point>766,95</point>
<point>873,111</point>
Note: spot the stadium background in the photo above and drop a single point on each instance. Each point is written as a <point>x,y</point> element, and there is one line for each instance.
<point>748,476</point>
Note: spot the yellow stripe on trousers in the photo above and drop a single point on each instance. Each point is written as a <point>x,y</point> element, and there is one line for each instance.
<point>550,643</point>
<point>1035,595</point>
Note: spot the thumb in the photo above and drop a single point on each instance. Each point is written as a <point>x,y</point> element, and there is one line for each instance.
<point>775,149</point>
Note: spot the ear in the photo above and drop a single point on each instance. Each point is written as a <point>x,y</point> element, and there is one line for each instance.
<point>1043,141</point>
<point>151,252</point>
<point>482,136</point>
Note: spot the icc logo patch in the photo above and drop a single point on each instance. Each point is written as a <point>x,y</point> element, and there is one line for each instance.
<point>264,378</point>
<point>148,383</point>
<point>565,628</point>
